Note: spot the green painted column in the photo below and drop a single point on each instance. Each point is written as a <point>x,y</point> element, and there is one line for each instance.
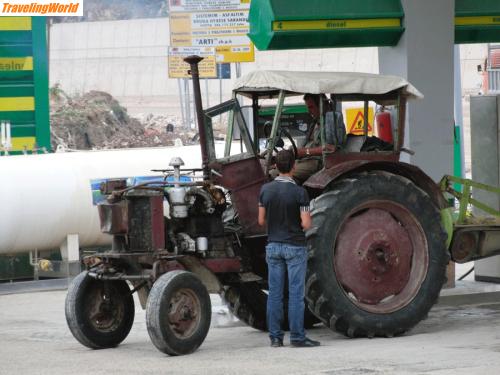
<point>24,82</point>
<point>457,157</point>
<point>41,82</point>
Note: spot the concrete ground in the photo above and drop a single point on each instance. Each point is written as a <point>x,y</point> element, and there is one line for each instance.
<point>461,336</point>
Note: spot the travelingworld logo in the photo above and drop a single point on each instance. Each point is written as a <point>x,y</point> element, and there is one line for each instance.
<point>41,8</point>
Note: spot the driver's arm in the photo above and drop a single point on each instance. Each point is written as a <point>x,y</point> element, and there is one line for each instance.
<point>314,151</point>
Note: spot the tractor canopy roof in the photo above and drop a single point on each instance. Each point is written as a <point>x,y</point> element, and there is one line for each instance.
<point>268,83</point>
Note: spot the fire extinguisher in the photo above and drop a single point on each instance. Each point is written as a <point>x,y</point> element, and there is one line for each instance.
<point>384,125</point>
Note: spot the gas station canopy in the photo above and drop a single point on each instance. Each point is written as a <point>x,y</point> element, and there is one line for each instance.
<point>477,21</point>
<point>295,24</point>
<point>298,24</point>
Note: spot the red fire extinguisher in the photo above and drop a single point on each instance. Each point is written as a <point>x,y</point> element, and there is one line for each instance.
<point>384,126</point>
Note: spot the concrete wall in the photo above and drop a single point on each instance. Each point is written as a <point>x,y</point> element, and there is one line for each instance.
<point>129,60</point>
<point>472,55</point>
<point>124,58</point>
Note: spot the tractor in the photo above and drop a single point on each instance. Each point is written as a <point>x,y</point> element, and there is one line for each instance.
<point>378,247</point>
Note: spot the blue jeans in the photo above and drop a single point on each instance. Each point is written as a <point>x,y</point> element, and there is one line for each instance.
<point>281,257</point>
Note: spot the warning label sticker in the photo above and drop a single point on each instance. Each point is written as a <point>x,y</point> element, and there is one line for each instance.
<point>356,120</point>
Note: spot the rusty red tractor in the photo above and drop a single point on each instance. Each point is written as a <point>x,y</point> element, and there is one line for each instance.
<point>378,248</point>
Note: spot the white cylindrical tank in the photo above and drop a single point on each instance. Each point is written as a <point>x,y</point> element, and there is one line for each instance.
<point>43,198</point>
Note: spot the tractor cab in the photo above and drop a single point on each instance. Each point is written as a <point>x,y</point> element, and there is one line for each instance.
<point>242,137</point>
<point>346,118</point>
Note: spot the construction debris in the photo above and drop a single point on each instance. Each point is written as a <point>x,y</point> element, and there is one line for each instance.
<point>96,120</point>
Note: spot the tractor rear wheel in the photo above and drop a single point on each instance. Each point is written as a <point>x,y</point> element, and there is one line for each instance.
<point>248,302</point>
<point>378,255</point>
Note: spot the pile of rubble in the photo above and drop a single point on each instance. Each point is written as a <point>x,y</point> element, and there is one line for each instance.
<point>96,120</point>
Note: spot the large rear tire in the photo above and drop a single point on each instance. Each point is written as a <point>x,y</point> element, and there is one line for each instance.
<point>378,255</point>
<point>99,313</point>
<point>178,313</point>
<point>248,302</point>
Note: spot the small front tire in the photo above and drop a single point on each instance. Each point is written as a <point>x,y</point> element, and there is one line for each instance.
<point>99,313</point>
<point>178,313</point>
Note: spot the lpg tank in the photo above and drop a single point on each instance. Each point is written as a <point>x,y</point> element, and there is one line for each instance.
<point>43,198</point>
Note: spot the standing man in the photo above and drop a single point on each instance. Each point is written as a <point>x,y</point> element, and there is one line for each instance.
<point>284,206</point>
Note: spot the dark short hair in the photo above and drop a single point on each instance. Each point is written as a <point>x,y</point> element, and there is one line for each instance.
<point>285,161</point>
<point>315,98</point>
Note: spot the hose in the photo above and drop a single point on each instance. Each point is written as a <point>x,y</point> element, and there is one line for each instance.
<point>466,274</point>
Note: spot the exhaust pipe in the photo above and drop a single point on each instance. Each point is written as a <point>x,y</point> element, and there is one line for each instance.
<point>193,62</point>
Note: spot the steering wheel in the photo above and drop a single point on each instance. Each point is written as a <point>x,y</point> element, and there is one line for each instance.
<point>279,142</point>
<point>292,141</point>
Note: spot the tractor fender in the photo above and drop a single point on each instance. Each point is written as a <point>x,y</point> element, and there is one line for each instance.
<point>320,180</point>
<point>206,276</point>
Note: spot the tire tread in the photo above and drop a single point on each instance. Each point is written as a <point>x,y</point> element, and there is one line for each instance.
<point>341,318</point>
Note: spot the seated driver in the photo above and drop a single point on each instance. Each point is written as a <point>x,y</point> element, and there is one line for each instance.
<point>309,157</point>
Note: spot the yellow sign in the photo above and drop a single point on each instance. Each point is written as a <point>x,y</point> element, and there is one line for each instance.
<point>479,20</point>
<point>356,120</point>
<point>23,143</point>
<point>16,63</point>
<point>15,23</point>
<point>226,31</point>
<point>178,68</point>
<point>21,103</point>
<point>235,54</point>
<point>335,24</point>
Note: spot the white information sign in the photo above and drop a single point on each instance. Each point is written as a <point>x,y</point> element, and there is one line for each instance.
<point>224,30</point>
<point>207,5</point>
<point>178,68</point>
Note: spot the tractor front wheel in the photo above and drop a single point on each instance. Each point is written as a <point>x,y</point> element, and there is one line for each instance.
<point>178,313</point>
<point>99,313</point>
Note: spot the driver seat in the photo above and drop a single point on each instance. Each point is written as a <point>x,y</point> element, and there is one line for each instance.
<point>335,129</point>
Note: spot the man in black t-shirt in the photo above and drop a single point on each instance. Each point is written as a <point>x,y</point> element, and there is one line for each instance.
<point>284,206</point>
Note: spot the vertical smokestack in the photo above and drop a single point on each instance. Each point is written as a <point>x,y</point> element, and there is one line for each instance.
<point>193,61</point>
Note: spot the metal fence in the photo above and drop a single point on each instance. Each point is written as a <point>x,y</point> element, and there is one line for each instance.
<point>494,81</point>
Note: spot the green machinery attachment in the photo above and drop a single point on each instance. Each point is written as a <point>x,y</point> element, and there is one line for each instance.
<point>470,237</point>
<point>465,196</point>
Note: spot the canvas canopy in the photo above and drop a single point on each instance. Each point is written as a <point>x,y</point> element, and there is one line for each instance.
<point>295,83</point>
